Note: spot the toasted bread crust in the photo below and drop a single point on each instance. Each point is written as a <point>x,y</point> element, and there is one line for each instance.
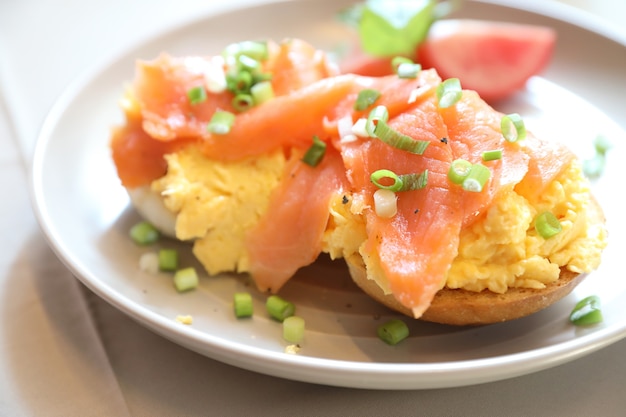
<point>461,307</point>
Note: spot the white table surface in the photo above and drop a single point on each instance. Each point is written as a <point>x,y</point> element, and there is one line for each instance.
<point>65,352</point>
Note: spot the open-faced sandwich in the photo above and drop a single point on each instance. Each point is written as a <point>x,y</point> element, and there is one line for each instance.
<point>444,209</point>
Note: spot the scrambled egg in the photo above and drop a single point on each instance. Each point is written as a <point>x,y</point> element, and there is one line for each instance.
<point>218,202</point>
<point>185,319</point>
<point>504,250</point>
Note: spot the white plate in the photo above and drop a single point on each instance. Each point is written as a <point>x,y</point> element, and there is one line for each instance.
<point>85,215</point>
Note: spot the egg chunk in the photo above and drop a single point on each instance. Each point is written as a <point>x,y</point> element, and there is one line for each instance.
<point>505,251</point>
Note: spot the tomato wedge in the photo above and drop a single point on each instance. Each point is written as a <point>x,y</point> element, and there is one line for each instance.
<point>493,58</point>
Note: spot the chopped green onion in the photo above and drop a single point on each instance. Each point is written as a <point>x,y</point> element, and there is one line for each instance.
<point>244,76</point>
<point>547,225</point>
<point>293,329</point>
<point>243,304</point>
<point>377,176</point>
<point>399,60</point>
<point>594,167</point>
<point>476,178</point>
<point>239,81</point>
<point>602,144</point>
<point>459,170</point>
<point>471,177</point>
<point>385,203</point>
<point>366,98</point>
<point>144,233</point>
<point>221,122</point>
<point>232,50</point>
<point>315,153</point>
<point>406,70</point>
<point>243,102</point>
<point>262,92</point>
<point>378,113</point>
<point>196,95</point>
<point>345,129</point>
<point>253,49</point>
<point>513,128</point>
<point>404,182</point>
<point>492,155</point>
<point>168,259</point>
<point>398,140</point>
<point>414,181</point>
<point>247,63</point>
<point>360,128</point>
<point>215,80</point>
<point>279,308</point>
<point>259,77</point>
<point>149,262</point>
<point>185,279</point>
<point>587,311</point>
<point>393,332</point>
<point>449,92</point>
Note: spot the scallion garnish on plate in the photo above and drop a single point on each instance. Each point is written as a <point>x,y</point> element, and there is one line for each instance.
<point>587,311</point>
<point>393,331</point>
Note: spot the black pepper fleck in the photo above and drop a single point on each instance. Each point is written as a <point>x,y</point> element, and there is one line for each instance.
<point>344,199</point>
<point>443,140</point>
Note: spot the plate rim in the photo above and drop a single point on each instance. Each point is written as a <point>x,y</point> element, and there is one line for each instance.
<point>517,363</point>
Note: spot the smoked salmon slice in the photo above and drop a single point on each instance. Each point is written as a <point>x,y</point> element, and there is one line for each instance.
<point>474,128</point>
<point>546,161</point>
<point>138,157</point>
<point>161,87</point>
<point>289,235</point>
<point>298,64</point>
<point>527,166</point>
<point>416,247</point>
<point>292,120</point>
<point>287,121</point>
